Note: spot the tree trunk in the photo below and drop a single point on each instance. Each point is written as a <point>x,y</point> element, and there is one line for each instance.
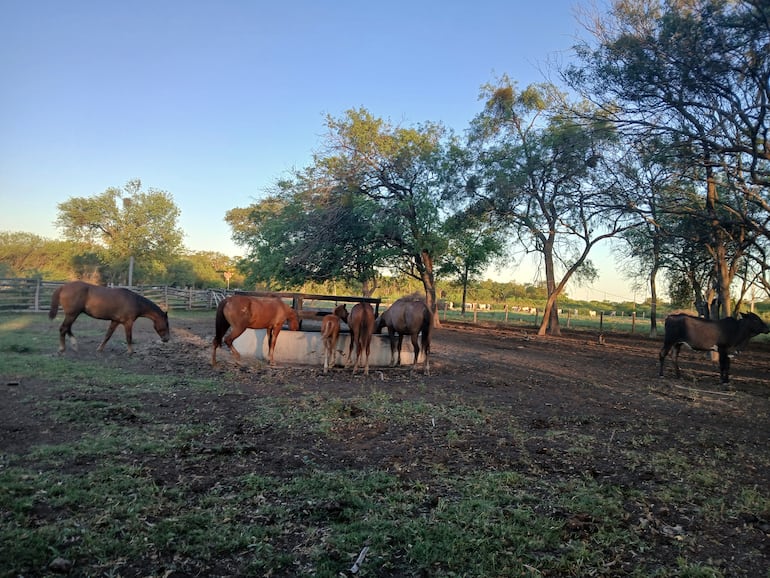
<point>429,283</point>
<point>550,321</point>
<point>654,301</point>
<point>718,247</point>
<point>465,290</point>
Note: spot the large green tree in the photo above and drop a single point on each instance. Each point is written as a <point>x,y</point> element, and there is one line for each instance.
<point>370,202</point>
<point>308,230</point>
<point>397,168</point>
<point>119,224</point>
<point>540,172</point>
<point>694,74</point>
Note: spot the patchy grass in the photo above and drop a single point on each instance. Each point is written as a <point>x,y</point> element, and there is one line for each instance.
<point>247,481</point>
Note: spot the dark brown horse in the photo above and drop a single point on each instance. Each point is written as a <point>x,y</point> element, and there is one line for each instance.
<point>360,320</point>
<point>242,312</point>
<point>330,332</point>
<point>407,316</point>
<point>118,305</point>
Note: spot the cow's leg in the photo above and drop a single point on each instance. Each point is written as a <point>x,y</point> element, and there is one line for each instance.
<point>724,364</point>
<point>677,348</point>
<point>662,356</point>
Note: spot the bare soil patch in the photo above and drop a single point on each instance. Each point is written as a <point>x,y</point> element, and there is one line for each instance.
<point>555,388</point>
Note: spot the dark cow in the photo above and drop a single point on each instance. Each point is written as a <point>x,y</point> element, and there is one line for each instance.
<point>705,335</point>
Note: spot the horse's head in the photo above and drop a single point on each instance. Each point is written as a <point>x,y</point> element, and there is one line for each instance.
<point>161,327</point>
<point>379,323</point>
<point>342,312</point>
<point>291,317</point>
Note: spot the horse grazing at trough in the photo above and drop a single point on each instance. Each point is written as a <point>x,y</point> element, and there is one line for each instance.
<point>242,312</point>
<point>330,332</point>
<point>119,306</point>
<point>407,316</point>
<point>360,320</point>
<point>704,335</point>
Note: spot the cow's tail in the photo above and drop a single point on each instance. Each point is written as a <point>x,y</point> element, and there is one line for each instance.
<point>221,324</point>
<point>427,327</point>
<point>54,303</point>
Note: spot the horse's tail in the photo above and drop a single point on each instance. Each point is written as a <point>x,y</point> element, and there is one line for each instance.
<point>55,303</point>
<point>221,324</point>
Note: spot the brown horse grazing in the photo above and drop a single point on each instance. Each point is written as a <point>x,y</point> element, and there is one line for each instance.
<point>242,312</point>
<point>407,316</point>
<point>330,332</point>
<point>360,320</point>
<point>120,306</point>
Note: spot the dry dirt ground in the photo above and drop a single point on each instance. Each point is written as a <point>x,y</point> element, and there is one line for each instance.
<point>568,386</point>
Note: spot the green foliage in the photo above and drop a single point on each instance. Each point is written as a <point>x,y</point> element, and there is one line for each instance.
<point>120,224</point>
<point>30,256</point>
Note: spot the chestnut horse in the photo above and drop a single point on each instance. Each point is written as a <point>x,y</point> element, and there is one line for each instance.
<point>330,332</point>
<point>407,316</point>
<point>360,320</point>
<point>242,312</point>
<point>118,305</point>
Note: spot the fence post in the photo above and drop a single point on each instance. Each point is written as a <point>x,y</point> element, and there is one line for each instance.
<point>37,295</point>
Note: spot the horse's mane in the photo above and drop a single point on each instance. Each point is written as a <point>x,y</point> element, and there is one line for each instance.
<point>148,302</point>
<point>416,296</point>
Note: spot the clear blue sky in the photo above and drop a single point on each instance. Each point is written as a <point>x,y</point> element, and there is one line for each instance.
<point>214,101</point>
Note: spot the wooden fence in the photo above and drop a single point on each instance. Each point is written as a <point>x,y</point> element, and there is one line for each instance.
<point>35,295</point>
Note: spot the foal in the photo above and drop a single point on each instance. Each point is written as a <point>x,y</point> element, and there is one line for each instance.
<point>330,332</point>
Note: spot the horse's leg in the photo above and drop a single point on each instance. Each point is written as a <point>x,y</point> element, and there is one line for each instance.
<point>358,353</point>
<point>272,340</point>
<point>367,351</point>
<point>66,329</point>
<point>327,342</point>
<point>724,364</point>
<point>235,332</point>
<point>416,348</point>
<point>392,342</point>
<point>398,351</point>
<point>110,331</point>
<point>350,348</point>
<point>128,327</point>
<point>214,353</point>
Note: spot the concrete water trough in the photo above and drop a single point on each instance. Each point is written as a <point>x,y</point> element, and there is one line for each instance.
<point>306,348</point>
